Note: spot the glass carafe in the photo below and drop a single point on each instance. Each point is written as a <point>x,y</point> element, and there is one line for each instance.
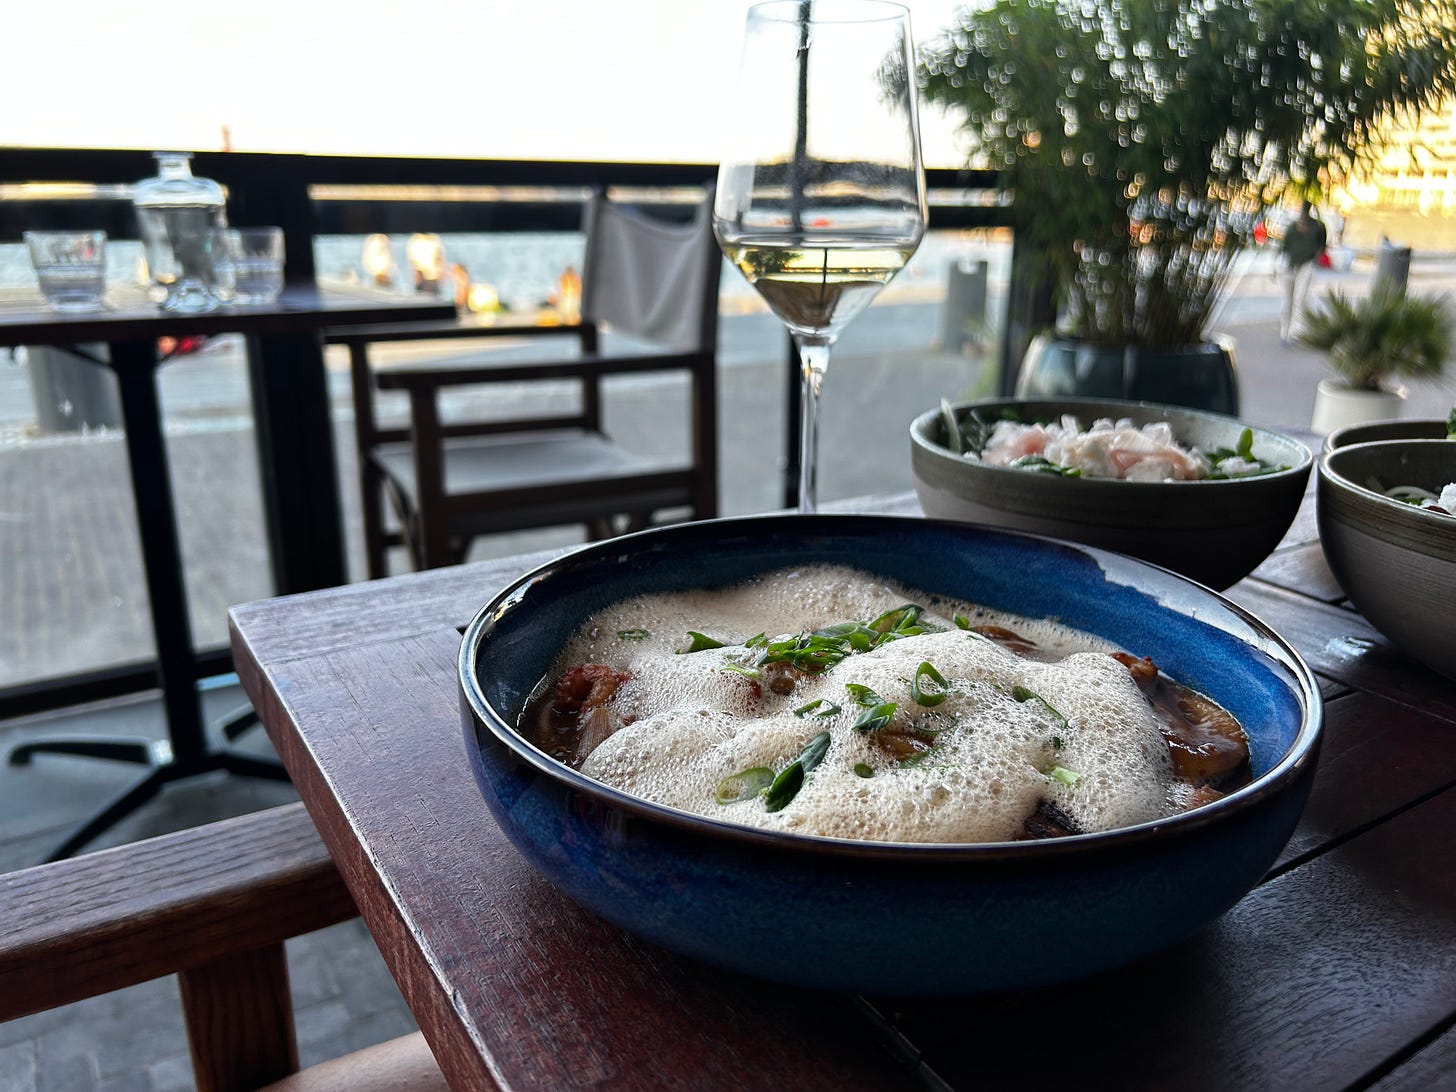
<point>183,224</point>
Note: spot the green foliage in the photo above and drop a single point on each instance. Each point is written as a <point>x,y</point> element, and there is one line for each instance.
<point>1142,138</point>
<point>1384,335</point>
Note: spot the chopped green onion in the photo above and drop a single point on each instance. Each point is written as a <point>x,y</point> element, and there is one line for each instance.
<point>862,694</point>
<point>864,769</point>
<point>806,651</point>
<point>1022,693</point>
<point>819,707</point>
<point>700,643</point>
<point>857,635</point>
<point>1244,449</point>
<point>742,785</point>
<point>633,634</point>
<point>791,779</point>
<point>1065,776</point>
<point>876,717</point>
<point>919,695</point>
<point>899,622</point>
<point>784,788</point>
<point>758,640</point>
<point>814,751</point>
<point>961,621</point>
<point>917,760</point>
<point>741,669</point>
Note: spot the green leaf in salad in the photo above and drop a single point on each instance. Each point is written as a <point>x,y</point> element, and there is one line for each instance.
<point>1042,465</point>
<point>969,435</point>
<point>1245,447</point>
<point>953,438</point>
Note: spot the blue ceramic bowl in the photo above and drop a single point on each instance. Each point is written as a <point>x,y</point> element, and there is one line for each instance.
<point>882,917</point>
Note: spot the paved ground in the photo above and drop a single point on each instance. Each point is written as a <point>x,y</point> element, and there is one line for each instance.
<point>71,596</point>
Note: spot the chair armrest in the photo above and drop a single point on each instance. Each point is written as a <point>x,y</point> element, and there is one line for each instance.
<point>92,924</point>
<point>412,377</point>
<point>450,330</point>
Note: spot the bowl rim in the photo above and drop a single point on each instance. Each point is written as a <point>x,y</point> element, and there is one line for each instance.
<point>1336,440</point>
<point>1290,766</point>
<point>1399,509</point>
<point>920,438</point>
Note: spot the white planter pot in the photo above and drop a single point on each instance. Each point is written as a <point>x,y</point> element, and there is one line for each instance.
<point>1336,405</point>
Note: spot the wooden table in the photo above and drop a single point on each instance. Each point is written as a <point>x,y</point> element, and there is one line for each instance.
<point>1338,971</point>
<point>297,469</point>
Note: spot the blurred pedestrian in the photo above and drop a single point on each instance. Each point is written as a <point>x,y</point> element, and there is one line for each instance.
<point>378,260</point>
<point>427,259</point>
<point>460,276</point>
<point>1304,241</point>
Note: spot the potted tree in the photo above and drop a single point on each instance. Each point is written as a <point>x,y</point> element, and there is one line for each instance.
<point>1370,343</point>
<point>1143,141</point>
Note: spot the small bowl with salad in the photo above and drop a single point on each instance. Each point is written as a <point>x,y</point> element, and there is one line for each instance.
<point>1387,521</point>
<point>1200,493</point>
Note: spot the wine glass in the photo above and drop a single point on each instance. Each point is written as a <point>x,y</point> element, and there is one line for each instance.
<point>821,199</point>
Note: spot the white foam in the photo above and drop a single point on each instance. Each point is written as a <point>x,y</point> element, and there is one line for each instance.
<point>692,721</point>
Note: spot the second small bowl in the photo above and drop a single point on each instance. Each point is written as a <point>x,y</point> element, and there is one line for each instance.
<point>1396,562</point>
<point>1215,532</point>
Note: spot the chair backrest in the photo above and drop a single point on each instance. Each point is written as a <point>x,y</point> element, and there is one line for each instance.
<point>651,278</point>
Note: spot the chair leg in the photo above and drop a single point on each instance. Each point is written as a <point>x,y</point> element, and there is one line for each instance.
<point>409,532</point>
<point>372,509</point>
<point>239,1015</point>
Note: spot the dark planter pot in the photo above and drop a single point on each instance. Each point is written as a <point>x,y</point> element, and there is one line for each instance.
<point>1198,376</point>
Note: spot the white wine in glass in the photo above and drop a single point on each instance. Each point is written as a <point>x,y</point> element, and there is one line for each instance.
<point>821,198</point>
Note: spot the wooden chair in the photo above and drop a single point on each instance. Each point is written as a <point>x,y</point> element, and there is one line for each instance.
<point>212,905</point>
<point>449,482</point>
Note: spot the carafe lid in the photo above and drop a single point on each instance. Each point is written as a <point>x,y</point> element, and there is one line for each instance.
<point>175,184</point>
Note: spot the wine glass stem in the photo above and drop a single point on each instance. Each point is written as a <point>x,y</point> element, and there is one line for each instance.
<point>813,363</point>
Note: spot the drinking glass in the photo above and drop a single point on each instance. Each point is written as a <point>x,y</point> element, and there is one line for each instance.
<point>257,260</point>
<point>821,197</point>
<point>70,266</point>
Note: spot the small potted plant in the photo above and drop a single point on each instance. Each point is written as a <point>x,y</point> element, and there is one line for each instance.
<point>1371,342</point>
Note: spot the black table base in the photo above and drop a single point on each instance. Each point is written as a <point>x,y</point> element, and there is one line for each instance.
<point>163,768</point>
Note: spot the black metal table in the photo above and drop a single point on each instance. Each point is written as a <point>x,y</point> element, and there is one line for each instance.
<point>297,470</point>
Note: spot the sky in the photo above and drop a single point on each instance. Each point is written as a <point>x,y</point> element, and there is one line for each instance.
<point>525,79</point>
